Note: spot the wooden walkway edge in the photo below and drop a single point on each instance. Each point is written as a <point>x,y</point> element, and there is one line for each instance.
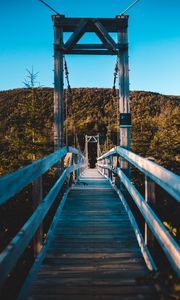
<point>94,253</point>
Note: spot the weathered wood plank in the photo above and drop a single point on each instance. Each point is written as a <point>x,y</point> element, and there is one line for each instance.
<point>94,253</point>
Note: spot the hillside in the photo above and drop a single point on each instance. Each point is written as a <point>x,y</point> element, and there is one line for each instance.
<point>27,123</point>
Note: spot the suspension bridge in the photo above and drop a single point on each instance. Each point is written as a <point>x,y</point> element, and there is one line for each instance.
<point>94,248</point>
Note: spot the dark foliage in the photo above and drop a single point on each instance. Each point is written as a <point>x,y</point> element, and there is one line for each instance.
<point>27,124</point>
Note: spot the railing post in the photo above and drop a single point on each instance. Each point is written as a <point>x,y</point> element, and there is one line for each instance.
<point>150,198</point>
<point>81,160</point>
<point>114,163</point>
<point>111,165</point>
<point>37,199</point>
<point>73,176</point>
<point>117,179</point>
<point>103,170</point>
<point>106,170</point>
<point>77,161</point>
<point>69,165</point>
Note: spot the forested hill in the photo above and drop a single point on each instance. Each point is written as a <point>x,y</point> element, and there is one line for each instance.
<point>27,123</point>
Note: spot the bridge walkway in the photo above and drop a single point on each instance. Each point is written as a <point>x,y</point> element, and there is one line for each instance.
<point>94,253</point>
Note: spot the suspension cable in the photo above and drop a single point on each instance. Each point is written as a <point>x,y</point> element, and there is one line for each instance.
<point>69,97</point>
<point>116,69</point>
<point>50,7</point>
<point>67,75</point>
<point>132,4</point>
<point>115,78</point>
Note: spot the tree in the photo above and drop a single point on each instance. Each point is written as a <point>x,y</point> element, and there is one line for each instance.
<point>30,83</point>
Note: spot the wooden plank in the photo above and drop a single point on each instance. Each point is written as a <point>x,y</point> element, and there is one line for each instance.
<point>97,297</point>
<point>111,290</point>
<point>91,257</point>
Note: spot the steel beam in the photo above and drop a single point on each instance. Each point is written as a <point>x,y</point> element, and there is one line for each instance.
<point>103,34</point>
<point>77,34</point>
<point>91,52</point>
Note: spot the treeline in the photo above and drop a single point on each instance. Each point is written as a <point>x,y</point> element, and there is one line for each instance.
<point>27,124</point>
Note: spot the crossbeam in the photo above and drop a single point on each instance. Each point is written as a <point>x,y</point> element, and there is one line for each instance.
<point>111,24</point>
<point>100,26</point>
<point>103,34</point>
<point>92,52</point>
<point>77,34</point>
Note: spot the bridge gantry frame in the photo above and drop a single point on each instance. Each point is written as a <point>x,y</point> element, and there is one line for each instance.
<point>102,27</point>
<point>92,139</point>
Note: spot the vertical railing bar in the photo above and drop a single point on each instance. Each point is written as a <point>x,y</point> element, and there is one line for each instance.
<point>150,198</point>
<point>37,195</point>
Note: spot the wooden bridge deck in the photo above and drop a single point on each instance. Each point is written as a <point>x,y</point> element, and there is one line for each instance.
<point>94,253</point>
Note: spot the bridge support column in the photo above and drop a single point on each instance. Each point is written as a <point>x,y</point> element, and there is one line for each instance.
<point>58,90</point>
<point>150,198</point>
<point>124,107</point>
<point>86,147</point>
<point>111,165</point>
<point>98,146</point>
<point>37,199</point>
<point>77,161</point>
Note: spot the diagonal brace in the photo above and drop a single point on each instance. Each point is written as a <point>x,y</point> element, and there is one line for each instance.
<point>104,35</point>
<point>76,35</point>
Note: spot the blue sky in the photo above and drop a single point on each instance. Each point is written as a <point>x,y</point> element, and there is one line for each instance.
<point>26,33</point>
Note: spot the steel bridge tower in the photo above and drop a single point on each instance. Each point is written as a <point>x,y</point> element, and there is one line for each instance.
<point>102,27</point>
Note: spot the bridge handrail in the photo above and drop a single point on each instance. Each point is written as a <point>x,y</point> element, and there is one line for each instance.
<point>16,181</point>
<point>169,181</point>
<point>161,176</point>
<point>167,243</point>
<point>16,247</point>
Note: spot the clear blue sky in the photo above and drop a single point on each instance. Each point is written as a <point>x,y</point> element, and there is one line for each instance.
<point>26,39</point>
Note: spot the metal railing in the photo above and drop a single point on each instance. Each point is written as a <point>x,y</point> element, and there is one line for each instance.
<point>15,182</point>
<point>154,173</point>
